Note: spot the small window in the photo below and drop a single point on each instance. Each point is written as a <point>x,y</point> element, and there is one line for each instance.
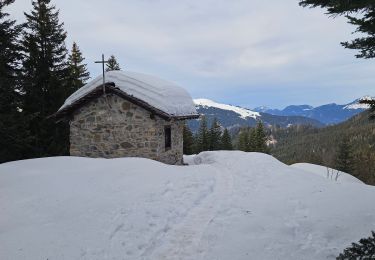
<point>168,137</point>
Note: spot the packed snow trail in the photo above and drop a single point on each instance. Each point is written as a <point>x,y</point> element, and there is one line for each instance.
<point>224,205</point>
<point>184,238</point>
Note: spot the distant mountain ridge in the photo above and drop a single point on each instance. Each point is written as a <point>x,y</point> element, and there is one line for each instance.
<point>231,116</point>
<point>328,114</point>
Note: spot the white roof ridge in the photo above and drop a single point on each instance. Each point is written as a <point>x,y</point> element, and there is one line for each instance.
<point>163,95</point>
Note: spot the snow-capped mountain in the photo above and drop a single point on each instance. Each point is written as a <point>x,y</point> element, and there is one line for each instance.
<point>328,114</point>
<point>231,116</point>
<point>357,105</point>
<point>243,112</point>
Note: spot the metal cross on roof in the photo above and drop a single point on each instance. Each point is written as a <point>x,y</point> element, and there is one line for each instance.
<point>103,61</point>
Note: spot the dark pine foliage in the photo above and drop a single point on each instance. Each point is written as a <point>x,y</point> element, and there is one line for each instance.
<point>215,136</point>
<point>13,124</point>
<point>344,157</point>
<point>207,139</point>
<point>365,249</point>
<point>226,141</point>
<point>253,139</point>
<point>44,78</point>
<point>112,64</point>
<point>202,140</point>
<point>260,139</point>
<point>321,145</point>
<point>244,140</point>
<point>188,138</point>
<point>361,14</point>
<point>78,74</point>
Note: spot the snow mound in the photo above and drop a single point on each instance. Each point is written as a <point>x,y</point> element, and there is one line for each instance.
<point>161,94</point>
<point>226,205</point>
<point>327,173</point>
<point>243,112</point>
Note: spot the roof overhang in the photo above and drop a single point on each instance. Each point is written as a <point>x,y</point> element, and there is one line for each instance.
<point>111,88</point>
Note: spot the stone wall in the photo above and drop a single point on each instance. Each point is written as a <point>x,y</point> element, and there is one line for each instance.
<point>112,127</point>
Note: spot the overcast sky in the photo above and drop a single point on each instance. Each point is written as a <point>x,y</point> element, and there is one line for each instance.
<point>243,52</point>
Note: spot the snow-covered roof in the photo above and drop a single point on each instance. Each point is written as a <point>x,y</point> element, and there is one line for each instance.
<point>163,96</point>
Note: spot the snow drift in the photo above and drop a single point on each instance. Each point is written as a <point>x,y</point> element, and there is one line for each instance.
<point>327,173</point>
<point>225,205</point>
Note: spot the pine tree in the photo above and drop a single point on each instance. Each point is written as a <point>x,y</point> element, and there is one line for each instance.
<point>215,136</point>
<point>253,141</point>
<point>344,157</point>
<point>260,139</point>
<point>13,124</point>
<point>361,14</point>
<point>226,141</point>
<point>364,23</point>
<point>112,64</point>
<point>9,59</point>
<point>243,140</point>
<point>44,80</point>
<point>202,141</point>
<point>78,74</point>
<point>365,249</point>
<point>188,140</point>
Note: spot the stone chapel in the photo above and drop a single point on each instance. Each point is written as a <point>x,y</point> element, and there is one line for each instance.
<point>131,115</point>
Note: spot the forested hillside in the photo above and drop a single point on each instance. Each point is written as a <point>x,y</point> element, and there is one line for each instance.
<point>349,145</point>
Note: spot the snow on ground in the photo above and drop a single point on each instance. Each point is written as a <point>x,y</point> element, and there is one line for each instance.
<point>225,205</point>
<point>243,112</point>
<point>327,173</point>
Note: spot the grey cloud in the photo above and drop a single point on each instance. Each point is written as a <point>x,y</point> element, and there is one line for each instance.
<point>229,48</point>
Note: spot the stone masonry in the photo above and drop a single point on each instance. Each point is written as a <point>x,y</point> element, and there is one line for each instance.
<point>112,127</point>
